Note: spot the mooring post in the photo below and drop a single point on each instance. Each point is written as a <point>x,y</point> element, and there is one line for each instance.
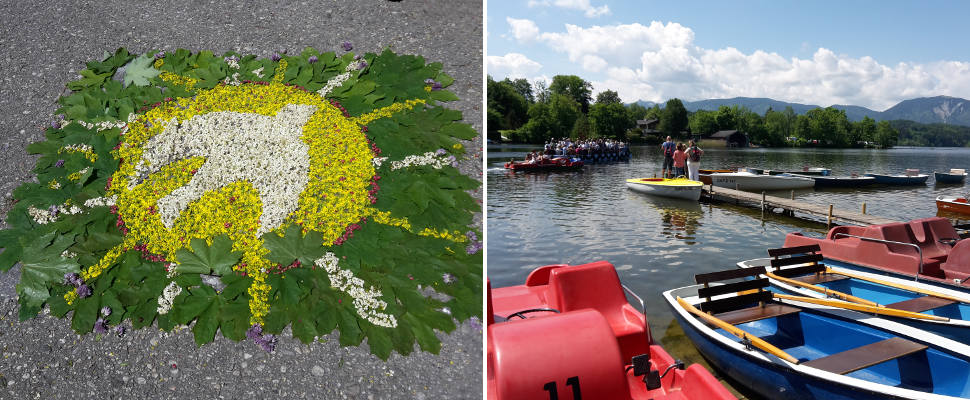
<point>762,200</point>
<point>863,208</point>
<point>793,195</point>
<point>737,199</point>
<point>829,224</point>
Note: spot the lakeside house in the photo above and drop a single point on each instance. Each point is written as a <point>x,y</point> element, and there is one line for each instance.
<point>730,138</point>
<point>648,127</point>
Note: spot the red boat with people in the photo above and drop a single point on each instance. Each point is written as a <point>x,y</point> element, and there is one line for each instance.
<point>570,329</point>
<point>546,164</point>
<point>927,249</point>
<point>953,204</point>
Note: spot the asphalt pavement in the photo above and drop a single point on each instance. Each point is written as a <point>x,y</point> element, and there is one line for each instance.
<point>43,45</point>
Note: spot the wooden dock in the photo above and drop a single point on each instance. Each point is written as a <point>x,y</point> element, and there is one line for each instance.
<point>828,213</point>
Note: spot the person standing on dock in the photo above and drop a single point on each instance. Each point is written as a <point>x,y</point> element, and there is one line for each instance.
<point>693,160</point>
<point>680,158</point>
<point>668,148</point>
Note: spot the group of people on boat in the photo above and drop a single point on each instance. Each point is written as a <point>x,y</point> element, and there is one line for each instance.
<point>681,159</point>
<point>586,148</point>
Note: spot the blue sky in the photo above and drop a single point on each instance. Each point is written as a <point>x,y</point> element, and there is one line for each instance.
<point>866,53</point>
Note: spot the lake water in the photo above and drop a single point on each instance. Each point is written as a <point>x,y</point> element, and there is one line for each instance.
<point>656,244</point>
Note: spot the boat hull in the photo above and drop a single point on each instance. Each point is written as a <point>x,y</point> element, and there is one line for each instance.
<point>953,204</point>
<point>843,181</point>
<point>900,180</point>
<point>942,177</point>
<point>686,192</point>
<point>753,182</point>
<point>548,165</point>
<point>775,378</point>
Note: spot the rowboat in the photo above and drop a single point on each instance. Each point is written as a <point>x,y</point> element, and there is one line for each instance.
<point>675,188</point>
<point>705,174</point>
<point>850,181</point>
<point>906,179</point>
<point>938,310</point>
<point>927,249</point>
<point>953,204</point>
<point>755,182</point>
<point>791,347</point>
<point>810,171</point>
<point>555,164</point>
<point>954,176</point>
<point>571,329</point>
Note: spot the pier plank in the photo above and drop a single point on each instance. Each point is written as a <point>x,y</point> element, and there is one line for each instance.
<point>843,216</point>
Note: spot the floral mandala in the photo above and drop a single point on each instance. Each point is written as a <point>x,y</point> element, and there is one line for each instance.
<point>242,196</point>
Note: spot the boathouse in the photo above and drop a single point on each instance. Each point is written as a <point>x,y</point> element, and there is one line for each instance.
<point>731,138</point>
<point>648,127</point>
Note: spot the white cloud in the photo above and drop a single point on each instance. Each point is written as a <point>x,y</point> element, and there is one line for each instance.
<point>512,65</point>
<point>523,30</point>
<point>660,61</point>
<point>581,5</point>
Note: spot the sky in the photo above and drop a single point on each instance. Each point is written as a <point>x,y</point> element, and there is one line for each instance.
<point>852,52</point>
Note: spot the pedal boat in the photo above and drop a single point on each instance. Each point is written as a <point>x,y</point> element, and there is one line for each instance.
<point>570,329</point>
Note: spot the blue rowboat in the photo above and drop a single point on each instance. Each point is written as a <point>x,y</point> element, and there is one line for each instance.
<point>954,176</point>
<point>796,350</point>
<point>938,310</point>
<point>900,180</point>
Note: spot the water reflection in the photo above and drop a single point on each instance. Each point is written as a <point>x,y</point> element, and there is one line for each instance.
<point>680,219</point>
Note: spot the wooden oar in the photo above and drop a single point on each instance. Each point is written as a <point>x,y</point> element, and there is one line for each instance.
<point>740,333</point>
<point>823,290</point>
<point>861,307</point>
<point>897,285</point>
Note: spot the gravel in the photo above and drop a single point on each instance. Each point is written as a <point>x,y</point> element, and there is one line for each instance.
<point>43,48</point>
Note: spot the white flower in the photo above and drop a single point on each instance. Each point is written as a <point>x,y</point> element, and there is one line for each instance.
<point>168,295</point>
<point>258,72</point>
<point>101,202</point>
<point>263,150</point>
<point>378,161</point>
<point>339,79</point>
<point>367,302</point>
<point>429,158</point>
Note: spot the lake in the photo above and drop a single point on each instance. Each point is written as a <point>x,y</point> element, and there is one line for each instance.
<point>536,219</point>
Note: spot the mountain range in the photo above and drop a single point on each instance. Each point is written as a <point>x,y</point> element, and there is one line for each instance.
<point>926,110</point>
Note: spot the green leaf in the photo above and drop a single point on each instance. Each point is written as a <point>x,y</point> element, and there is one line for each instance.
<point>88,78</point>
<point>204,259</point>
<point>140,70</point>
<point>379,341</point>
<point>85,313</point>
<point>302,324</point>
<point>294,246</point>
<point>424,334</point>
<point>40,269</point>
<point>205,327</point>
<point>350,334</point>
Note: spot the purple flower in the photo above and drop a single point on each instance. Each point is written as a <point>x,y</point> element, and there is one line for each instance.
<point>363,64</point>
<point>83,291</point>
<point>55,124</point>
<point>160,54</point>
<point>72,279</point>
<point>59,163</point>
<point>277,57</point>
<point>267,342</point>
<point>254,332</point>
<point>475,323</point>
<point>120,330</point>
<point>358,57</point>
<point>227,59</point>
<point>100,326</point>
<point>441,152</point>
<point>348,46</point>
<point>448,278</point>
<point>105,311</point>
<point>312,59</point>
<point>472,237</point>
<point>473,248</point>
<point>436,86</point>
<point>53,210</point>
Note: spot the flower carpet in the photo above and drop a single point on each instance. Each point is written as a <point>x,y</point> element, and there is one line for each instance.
<point>241,195</point>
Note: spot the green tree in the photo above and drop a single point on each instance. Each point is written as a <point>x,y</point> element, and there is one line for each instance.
<point>865,130</point>
<point>886,135</point>
<point>540,126</point>
<point>608,97</point>
<point>703,122</point>
<point>725,118</point>
<point>609,120</point>
<point>564,110</point>
<point>505,102</point>
<point>575,87</point>
<point>830,126</point>
<point>803,128</point>
<point>582,128</point>
<point>636,111</point>
<point>542,93</point>
<point>522,87</point>
<point>654,112</point>
<point>777,127</point>
<point>674,118</point>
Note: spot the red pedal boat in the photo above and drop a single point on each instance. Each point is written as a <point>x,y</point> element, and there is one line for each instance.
<point>953,204</point>
<point>927,249</point>
<point>554,164</point>
<point>570,333</point>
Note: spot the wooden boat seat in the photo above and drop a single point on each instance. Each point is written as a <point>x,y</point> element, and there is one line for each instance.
<point>737,309</point>
<point>820,278</point>
<point>749,314</point>
<point>921,304</point>
<point>866,356</point>
<point>813,273</point>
